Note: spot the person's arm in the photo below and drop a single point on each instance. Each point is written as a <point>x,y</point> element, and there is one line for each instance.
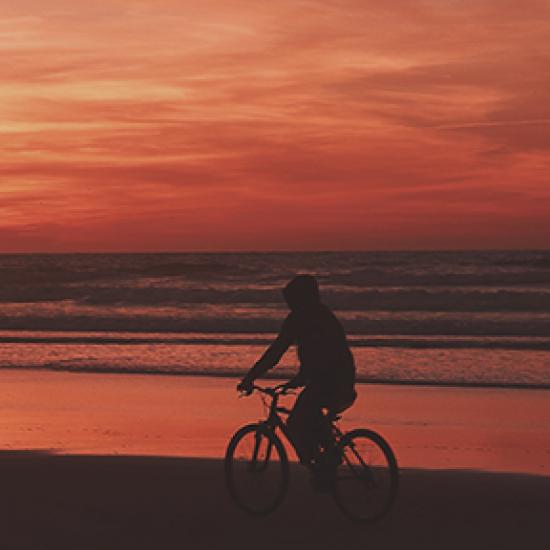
<point>271,356</point>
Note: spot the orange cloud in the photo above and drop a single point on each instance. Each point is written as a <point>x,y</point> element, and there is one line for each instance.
<point>169,125</point>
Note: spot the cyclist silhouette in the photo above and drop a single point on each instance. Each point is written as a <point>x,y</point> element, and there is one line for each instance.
<point>327,368</point>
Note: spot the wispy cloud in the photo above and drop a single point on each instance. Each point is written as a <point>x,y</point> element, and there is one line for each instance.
<point>184,125</point>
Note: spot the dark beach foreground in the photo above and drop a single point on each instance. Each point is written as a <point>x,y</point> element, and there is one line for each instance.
<point>118,502</point>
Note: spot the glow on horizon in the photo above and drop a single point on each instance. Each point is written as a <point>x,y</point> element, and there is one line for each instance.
<point>176,125</point>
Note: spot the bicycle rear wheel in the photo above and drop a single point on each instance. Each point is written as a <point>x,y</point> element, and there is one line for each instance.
<point>367,478</point>
<point>256,469</point>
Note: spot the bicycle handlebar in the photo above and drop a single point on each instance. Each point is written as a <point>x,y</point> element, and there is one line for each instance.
<point>279,389</point>
<point>274,390</point>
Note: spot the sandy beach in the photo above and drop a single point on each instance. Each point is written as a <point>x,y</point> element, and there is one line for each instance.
<point>90,502</point>
<point>114,461</point>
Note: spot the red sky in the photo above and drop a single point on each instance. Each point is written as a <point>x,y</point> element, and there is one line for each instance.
<point>250,125</point>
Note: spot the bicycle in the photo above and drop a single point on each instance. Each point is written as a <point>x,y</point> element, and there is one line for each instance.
<point>257,466</point>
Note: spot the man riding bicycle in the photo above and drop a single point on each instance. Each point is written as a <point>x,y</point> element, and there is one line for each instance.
<point>327,368</point>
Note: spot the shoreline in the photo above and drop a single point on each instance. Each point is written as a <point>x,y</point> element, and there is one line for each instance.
<point>275,377</point>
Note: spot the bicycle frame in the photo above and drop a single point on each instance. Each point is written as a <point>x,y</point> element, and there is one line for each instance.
<point>352,461</point>
<point>274,421</point>
<point>271,423</point>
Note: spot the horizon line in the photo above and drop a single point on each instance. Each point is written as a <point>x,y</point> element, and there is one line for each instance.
<point>272,251</point>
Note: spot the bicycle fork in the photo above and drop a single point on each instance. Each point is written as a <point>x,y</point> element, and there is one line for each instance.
<point>257,464</point>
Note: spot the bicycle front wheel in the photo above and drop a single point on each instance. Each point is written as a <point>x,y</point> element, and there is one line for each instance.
<point>367,476</point>
<point>256,469</point>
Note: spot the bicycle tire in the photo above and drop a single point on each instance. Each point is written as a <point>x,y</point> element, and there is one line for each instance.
<point>377,484</point>
<point>248,470</point>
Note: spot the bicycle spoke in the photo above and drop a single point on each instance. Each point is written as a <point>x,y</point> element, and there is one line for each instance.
<point>366,480</point>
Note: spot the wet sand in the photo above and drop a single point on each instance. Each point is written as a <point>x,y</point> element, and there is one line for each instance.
<point>428,427</point>
<point>90,502</point>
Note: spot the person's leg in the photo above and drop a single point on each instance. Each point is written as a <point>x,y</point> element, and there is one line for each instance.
<point>303,424</point>
<point>342,399</point>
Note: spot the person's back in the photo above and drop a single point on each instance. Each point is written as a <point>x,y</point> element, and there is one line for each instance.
<point>323,351</point>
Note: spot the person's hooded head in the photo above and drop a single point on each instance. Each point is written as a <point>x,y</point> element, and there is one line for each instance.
<point>302,293</point>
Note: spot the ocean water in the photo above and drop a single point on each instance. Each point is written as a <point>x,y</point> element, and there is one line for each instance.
<point>437,317</point>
